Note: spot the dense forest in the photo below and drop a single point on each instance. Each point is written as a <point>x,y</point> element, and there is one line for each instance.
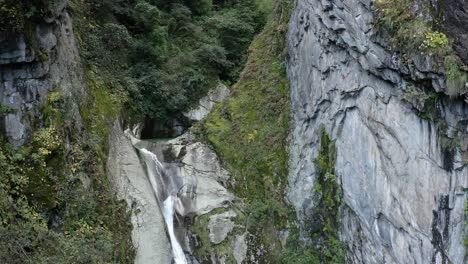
<point>165,55</point>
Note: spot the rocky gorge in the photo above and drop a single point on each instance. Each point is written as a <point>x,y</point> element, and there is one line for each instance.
<point>332,146</point>
<point>403,198</point>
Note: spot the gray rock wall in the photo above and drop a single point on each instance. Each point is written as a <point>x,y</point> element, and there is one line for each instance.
<point>402,202</point>
<point>31,65</point>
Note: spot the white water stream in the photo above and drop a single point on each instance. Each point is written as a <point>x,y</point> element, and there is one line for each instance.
<point>165,189</point>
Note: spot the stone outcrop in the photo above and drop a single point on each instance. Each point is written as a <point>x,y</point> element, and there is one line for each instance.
<point>33,65</point>
<point>220,225</point>
<point>240,248</point>
<point>216,95</point>
<point>197,169</point>
<point>403,195</point>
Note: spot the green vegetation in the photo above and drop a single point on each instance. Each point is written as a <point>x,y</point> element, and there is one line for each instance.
<point>249,131</point>
<point>56,205</point>
<point>165,55</point>
<point>5,109</point>
<point>456,79</point>
<point>325,245</point>
<point>411,33</point>
<point>200,227</point>
<point>16,14</point>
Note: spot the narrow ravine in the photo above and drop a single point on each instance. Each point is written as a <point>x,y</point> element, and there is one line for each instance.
<point>177,179</point>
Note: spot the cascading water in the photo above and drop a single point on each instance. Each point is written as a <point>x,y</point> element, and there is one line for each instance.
<point>165,189</point>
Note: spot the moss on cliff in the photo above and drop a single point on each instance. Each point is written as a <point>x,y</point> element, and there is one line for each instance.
<point>413,27</point>
<point>204,248</point>
<point>56,203</point>
<point>249,131</point>
<point>324,244</point>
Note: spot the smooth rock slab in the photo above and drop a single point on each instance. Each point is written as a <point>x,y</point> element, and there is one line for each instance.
<point>220,225</point>
<point>206,104</point>
<point>399,189</point>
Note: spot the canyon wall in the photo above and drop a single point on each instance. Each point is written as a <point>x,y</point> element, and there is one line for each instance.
<point>403,195</point>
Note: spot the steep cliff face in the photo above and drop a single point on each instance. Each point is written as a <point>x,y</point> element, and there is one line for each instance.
<point>403,193</point>
<point>56,202</point>
<point>32,64</point>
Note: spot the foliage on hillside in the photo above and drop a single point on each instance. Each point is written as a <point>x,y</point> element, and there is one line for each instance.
<point>249,131</point>
<point>165,55</point>
<point>56,205</point>
<point>415,28</point>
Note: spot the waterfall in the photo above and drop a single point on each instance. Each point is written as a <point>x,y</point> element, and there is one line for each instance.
<point>165,189</point>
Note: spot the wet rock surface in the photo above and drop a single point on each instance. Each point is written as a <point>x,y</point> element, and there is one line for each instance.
<point>390,162</point>
<point>197,170</point>
<point>194,171</point>
<point>131,184</point>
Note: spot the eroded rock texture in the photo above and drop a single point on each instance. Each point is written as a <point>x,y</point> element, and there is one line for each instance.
<point>31,65</point>
<point>131,184</point>
<point>403,195</point>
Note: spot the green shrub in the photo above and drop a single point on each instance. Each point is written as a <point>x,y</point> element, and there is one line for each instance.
<point>213,55</point>
<point>200,7</point>
<point>12,16</point>
<point>323,224</point>
<point>47,215</point>
<point>116,36</point>
<point>436,40</point>
<point>455,78</point>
